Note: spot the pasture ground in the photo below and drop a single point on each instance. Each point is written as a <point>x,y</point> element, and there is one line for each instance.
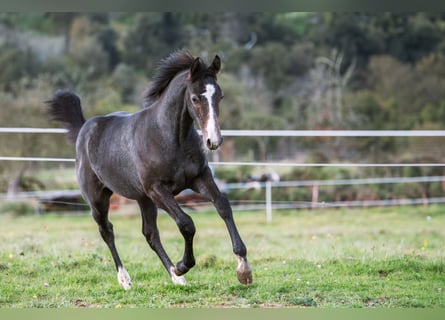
<point>371,258</point>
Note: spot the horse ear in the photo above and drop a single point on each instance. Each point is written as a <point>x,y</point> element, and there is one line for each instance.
<point>195,69</point>
<point>216,65</point>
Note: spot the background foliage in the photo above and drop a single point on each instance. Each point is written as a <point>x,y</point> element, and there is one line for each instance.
<point>281,71</point>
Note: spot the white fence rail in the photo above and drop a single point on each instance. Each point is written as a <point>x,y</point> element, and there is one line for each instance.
<point>281,133</point>
<point>269,204</point>
<point>33,130</point>
<point>270,133</point>
<point>258,164</point>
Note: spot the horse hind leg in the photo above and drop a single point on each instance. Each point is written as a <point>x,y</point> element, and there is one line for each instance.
<point>99,200</point>
<point>100,215</point>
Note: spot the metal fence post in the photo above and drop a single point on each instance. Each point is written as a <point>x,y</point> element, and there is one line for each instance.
<point>268,201</point>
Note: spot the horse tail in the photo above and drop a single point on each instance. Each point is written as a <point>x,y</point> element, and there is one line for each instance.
<point>66,108</point>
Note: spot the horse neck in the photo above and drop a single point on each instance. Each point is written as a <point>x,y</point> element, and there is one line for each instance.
<point>173,116</point>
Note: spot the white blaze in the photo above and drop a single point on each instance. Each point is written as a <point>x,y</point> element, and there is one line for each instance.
<point>211,121</point>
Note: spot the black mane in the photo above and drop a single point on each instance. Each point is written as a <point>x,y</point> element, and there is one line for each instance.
<point>168,68</point>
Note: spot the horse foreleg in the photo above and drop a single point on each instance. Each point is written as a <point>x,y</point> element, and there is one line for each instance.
<point>150,230</point>
<point>206,186</point>
<point>166,201</point>
<point>244,272</point>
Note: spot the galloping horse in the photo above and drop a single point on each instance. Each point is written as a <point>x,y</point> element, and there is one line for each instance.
<point>152,155</point>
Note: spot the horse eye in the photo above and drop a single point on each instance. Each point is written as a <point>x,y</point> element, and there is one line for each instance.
<point>195,98</point>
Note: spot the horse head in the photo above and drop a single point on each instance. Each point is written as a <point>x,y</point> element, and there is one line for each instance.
<point>203,95</point>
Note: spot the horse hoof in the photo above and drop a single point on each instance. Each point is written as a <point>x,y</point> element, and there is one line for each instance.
<point>124,278</point>
<point>243,271</point>
<point>245,278</point>
<point>179,280</point>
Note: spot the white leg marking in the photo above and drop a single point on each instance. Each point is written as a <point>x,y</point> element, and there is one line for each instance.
<point>124,278</point>
<point>179,280</point>
<point>243,265</point>
<point>244,271</point>
<point>211,121</point>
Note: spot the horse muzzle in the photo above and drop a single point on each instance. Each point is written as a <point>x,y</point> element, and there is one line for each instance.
<point>212,134</point>
<point>215,143</point>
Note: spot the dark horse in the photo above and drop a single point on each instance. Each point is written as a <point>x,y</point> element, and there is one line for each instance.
<point>152,155</point>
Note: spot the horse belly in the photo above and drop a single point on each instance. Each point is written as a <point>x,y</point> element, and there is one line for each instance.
<point>123,181</point>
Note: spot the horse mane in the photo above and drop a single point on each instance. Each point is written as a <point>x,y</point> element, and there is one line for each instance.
<point>167,69</point>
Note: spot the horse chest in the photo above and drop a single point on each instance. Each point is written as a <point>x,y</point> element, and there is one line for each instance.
<point>184,168</point>
<point>191,170</point>
<point>177,171</point>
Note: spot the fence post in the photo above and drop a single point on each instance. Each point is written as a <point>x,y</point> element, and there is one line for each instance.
<point>268,201</point>
<point>315,191</point>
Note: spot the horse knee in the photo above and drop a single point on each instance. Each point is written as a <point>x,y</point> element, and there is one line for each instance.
<point>186,226</point>
<point>224,208</point>
<point>106,231</point>
<point>152,237</point>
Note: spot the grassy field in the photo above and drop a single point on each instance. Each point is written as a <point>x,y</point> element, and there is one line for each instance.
<point>377,257</point>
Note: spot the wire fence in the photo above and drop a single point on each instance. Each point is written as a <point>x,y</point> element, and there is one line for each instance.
<point>269,204</point>
<point>280,133</point>
<point>269,133</point>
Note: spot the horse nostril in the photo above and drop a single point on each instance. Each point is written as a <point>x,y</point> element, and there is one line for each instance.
<point>213,145</point>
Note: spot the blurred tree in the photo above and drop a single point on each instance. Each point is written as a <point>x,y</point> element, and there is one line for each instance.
<point>265,145</point>
<point>395,83</point>
<point>62,24</point>
<point>271,62</point>
<point>350,33</point>
<point>270,28</point>
<point>16,63</point>
<point>153,37</point>
<point>431,70</point>
<point>371,112</point>
<point>108,38</point>
<point>240,100</point>
<point>409,37</point>
<point>123,80</point>
<point>320,95</point>
<point>85,49</point>
<point>302,58</point>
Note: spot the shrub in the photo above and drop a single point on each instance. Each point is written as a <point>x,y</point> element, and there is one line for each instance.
<point>17,208</point>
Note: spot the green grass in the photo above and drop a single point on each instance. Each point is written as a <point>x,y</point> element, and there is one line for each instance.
<point>379,257</point>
